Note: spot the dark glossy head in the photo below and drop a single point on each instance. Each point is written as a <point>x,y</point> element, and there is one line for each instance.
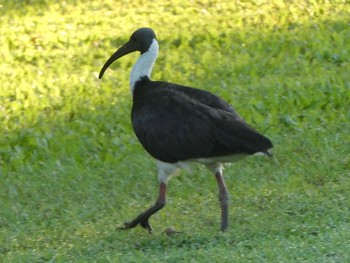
<point>140,40</point>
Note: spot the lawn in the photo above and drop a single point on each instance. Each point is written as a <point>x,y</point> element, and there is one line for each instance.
<point>71,167</point>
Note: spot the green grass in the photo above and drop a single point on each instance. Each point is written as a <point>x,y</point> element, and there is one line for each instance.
<point>71,168</point>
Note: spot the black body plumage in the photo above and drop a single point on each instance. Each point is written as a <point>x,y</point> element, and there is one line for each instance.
<point>177,123</point>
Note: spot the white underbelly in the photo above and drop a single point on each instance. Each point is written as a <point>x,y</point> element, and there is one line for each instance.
<point>214,164</point>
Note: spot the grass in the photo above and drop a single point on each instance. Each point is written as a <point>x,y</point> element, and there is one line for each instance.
<point>71,168</point>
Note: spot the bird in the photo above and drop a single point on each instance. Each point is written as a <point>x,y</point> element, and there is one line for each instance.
<point>178,125</point>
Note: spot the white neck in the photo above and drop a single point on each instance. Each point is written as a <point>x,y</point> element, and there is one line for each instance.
<point>143,66</point>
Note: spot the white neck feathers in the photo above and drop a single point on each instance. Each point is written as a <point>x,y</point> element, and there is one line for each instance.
<point>143,66</point>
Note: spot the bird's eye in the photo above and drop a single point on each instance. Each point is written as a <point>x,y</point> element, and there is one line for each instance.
<point>133,39</point>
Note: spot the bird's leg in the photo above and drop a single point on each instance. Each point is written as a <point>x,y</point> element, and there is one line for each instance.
<point>142,218</point>
<point>223,197</point>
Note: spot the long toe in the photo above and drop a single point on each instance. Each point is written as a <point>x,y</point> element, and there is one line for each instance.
<point>145,224</point>
<point>127,225</point>
<point>121,226</point>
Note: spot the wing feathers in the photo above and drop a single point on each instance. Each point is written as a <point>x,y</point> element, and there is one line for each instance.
<point>173,123</point>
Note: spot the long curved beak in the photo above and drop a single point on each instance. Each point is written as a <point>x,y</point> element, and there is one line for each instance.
<point>122,51</point>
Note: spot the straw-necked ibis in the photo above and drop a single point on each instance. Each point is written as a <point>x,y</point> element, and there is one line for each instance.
<point>178,124</point>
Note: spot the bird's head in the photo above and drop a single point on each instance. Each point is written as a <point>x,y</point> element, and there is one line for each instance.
<point>140,40</point>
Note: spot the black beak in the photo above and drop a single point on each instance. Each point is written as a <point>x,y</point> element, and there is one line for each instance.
<point>122,51</point>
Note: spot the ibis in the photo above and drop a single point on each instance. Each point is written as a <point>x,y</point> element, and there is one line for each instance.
<point>178,125</point>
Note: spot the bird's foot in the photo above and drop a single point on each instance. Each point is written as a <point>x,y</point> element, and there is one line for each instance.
<point>123,226</point>
<point>128,225</point>
<point>145,224</point>
<point>143,218</point>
